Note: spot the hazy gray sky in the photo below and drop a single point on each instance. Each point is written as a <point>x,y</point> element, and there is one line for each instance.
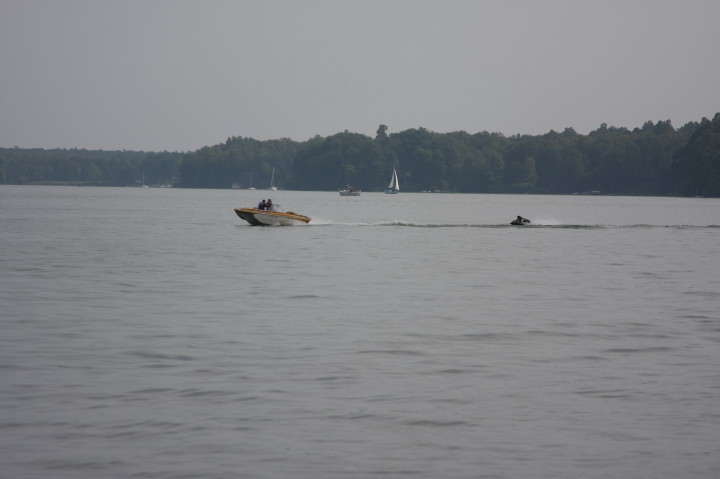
<point>177,75</point>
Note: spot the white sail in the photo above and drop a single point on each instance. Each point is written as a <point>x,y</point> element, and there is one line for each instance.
<point>394,185</point>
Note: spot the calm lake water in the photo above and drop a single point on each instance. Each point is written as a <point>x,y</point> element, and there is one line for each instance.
<point>151,333</point>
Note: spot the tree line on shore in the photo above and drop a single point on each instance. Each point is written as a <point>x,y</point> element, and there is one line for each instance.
<point>655,159</point>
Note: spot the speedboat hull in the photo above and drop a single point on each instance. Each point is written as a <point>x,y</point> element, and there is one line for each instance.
<point>258,217</point>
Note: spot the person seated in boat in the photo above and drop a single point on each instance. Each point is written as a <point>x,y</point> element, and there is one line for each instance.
<point>269,205</point>
<point>520,220</point>
<point>262,205</point>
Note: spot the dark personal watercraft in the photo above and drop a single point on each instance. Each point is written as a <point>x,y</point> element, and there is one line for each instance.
<point>520,221</point>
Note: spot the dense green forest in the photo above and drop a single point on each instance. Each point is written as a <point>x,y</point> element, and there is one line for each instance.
<point>86,167</point>
<point>656,159</point>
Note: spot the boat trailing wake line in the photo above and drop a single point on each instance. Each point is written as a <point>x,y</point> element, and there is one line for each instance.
<point>412,224</point>
<point>471,225</point>
<point>534,226</point>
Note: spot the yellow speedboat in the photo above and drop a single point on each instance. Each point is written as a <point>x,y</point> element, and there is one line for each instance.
<point>258,217</point>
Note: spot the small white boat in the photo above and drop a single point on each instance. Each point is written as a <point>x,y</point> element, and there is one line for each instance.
<point>272,181</point>
<point>394,186</point>
<point>349,191</point>
<point>258,217</point>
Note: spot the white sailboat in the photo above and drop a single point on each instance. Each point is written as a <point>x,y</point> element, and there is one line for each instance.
<point>348,190</point>
<point>394,186</point>
<point>272,181</point>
